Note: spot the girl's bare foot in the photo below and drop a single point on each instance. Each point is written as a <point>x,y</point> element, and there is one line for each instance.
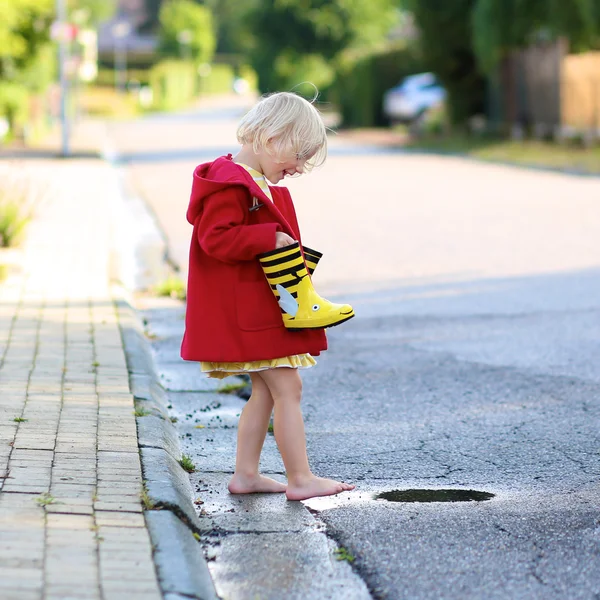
<point>257,484</point>
<point>316,486</point>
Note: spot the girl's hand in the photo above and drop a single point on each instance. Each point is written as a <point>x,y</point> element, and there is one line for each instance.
<point>283,239</point>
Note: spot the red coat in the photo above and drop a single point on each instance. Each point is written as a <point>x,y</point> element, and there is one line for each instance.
<point>232,314</point>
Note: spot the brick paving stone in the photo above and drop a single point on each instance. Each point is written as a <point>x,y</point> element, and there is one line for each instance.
<point>18,593</point>
<point>121,519</point>
<point>63,369</point>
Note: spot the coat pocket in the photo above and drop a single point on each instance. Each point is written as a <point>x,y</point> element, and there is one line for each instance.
<point>256,306</point>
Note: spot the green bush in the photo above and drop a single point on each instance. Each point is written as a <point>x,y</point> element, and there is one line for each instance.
<point>219,81</point>
<point>303,72</point>
<point>174,84</point>
<point>362,80</point>
<point>14,104</point>
<point>172,286</point>
<point>16,207</point>
<point>106,76</point>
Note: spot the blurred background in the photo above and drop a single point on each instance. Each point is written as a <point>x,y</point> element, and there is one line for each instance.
<point>515,79</point>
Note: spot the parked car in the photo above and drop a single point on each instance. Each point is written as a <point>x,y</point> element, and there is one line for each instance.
<point>412,98</point>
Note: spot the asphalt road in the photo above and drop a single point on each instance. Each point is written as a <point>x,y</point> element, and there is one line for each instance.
<point>472,363</point>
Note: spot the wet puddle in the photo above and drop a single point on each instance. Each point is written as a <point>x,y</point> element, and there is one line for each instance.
<point>434,496</point>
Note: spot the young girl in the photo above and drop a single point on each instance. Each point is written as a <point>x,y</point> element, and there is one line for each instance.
<point>233,321</point>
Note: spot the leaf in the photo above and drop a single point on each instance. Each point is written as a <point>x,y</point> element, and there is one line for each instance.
<point>287,301</point>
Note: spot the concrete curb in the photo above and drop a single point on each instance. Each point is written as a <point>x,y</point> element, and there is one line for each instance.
<point>172,520</point>
<point>138,261</point>
<point>179,574</point>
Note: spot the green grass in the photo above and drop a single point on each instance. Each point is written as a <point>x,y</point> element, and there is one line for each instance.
<point>14,217</point>
<point>45,499</point>
<point>172,286</point>
<point>140,411</point>
<point>186,462</point>
<point>19,420</point>
<point>567,156</point>
<point>231,387</point>
<point>147,502</point>
<point>342,553</point>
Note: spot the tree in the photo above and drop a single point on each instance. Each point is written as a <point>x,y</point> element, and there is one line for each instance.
<point>503,25</point>
<point>90,12</point>
<point>288,32</point>
<point>230,17</point>
<point>447,48</point>
<point>26,61</point>
<point>24,26</point>
<point>186,27</point>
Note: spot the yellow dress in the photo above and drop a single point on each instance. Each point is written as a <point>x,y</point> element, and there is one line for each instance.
<point>220,370</point>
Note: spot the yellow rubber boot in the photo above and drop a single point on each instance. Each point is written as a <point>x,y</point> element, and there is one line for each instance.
<point>301,306</point>
<point>311,258</point>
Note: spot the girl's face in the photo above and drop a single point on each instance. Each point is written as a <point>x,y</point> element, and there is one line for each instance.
<point>276,168</point>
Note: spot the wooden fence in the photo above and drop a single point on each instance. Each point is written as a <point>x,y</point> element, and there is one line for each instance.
<point>580,92</point>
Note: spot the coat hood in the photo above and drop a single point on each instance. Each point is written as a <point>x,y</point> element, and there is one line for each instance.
<point>214,176</point>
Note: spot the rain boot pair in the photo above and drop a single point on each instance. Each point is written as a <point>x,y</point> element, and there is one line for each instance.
<point>287,270</point>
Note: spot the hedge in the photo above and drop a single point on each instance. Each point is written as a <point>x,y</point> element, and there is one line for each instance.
<point>362,80</point>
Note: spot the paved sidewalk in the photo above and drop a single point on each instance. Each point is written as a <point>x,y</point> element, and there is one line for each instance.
<point>71,521</point>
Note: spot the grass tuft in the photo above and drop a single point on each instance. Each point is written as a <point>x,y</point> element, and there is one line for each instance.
<point>147,502</point>
<point>173,287</point>
<point>230,388</point>
<point>17,200</point>
<point>45,499</point>
<point>342,553</point>
<point>140,411</point>
<point>187,463</point>
<point>19,420</point>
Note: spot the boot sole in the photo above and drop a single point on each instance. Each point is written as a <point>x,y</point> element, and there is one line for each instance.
<point>299,328</point>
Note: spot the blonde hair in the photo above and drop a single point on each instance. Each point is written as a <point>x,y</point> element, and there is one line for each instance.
<point>282,123</point>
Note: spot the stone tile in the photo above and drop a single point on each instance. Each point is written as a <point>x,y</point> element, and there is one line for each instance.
<point>21,562</point>
<point>145,595</point>
<point>17,593</point>
<point>128,587</point>
<point>66,490</point>
<point>75,480</point>
<point>45,456</point>
<point>23,488</point>
<point>119,519</point>
<point>26,578</point>
<point>69,508</point>
<point>59,521</point>
<point>119,506</point>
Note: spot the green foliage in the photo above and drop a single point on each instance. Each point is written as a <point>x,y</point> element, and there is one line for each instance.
<point>106,76</point>
<point>229,18</point>
<point>172,286</point>
<point>91,12</point>
<point>286,30</point>
<point>24,26</point>
<point>26,58</point>
<point>186,28</point>
<point>447,50</point>
<point>45,498</point>
<point>219,81</point>
<point>13,102</point>
<point>187,463</point>
<point>140,411</point>
<point>293,70</point>
<point>362,80</point>
<point>342,553</point>
<point>174,84</point>
<point>502,25</point>
<point>15,212</point>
